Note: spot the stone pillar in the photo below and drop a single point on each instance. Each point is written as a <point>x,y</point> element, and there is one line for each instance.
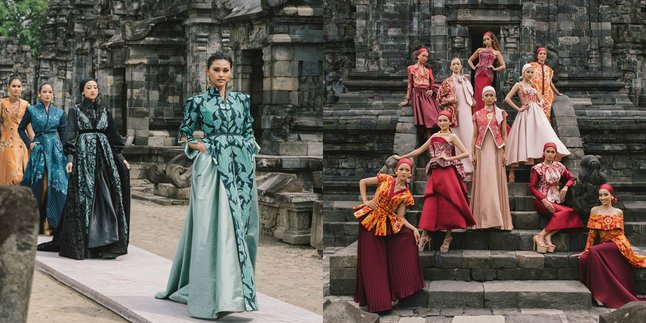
<point>18,238</point>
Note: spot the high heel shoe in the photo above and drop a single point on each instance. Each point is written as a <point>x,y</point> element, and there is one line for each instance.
<point>539,245</point>
<point>445,244</point>
<point>511,178</point>
<point>47,229</point>
<point>550,246</point>
<point>423,241</point>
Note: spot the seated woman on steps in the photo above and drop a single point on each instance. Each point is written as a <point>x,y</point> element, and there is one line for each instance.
<point>446,201</point>
<point>388,265</point>
<point>544,184</point>
<point>606,267</point>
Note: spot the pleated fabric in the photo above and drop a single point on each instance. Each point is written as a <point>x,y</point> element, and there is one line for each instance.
<point>608,275</point>
<point>388,268</point>
<point>446,204</point>
<point>425,109</point>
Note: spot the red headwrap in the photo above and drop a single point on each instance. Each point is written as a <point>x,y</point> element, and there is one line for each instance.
<point>446,113</point>
<point>541,49</point>
<point>423,49</point>
<point>404,161</point>
<point>488,33</point>
<point>611,190</point>
<point>549,144</point>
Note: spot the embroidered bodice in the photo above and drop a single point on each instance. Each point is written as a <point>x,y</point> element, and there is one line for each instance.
<point>542,77</point>
<point>485,58</point>
<point>387,201</point>
<point>528,94</point>
<point>438,147</point>
<point>450,88</point>
<point>486,121</point>
<point>545,179</point>
<point>417,78</point>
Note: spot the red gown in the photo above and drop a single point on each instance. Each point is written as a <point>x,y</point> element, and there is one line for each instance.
<point>606,268</point>
<point>446,204</point>
<point>425,109</point>
<point>388,265</point>
<point>484,76</point>
<point>544,183</point>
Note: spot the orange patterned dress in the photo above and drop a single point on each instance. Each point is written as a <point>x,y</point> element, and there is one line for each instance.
<point>14,155</point>
<point>542,81</point>
<point>611,228</point>
<point>387,201</point>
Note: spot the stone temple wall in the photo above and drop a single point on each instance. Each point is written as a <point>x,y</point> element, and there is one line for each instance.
<point>16,59</point>
<point>150,56</point>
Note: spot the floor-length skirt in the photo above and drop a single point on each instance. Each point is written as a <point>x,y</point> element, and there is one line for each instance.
<point>464,130</point>
<point>47,159</point>
<point>105,233</point>
<point>563,217</point>
<point>489,194</point>
<point>206,274</point>
<point>388,268</point>
<point>529,132</point>
<point>425,109</point>
<point>481,81</point>
<point>608,275</point>
<point>446,204</point>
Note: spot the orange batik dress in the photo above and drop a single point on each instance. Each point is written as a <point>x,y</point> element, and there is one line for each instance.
<point>388,266</point>
<point>606,268</point>
<point>387,201</point>
<point>611,228</point>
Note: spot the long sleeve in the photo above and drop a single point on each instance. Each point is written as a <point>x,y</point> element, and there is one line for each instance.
<point>62,125</point>
<point>569,177</point>
<point>589,242</point>
<point>190,121</point>
<point>431,78</point>
<point>444,93</point>
<point>71,133</point>
<point>115,140</point>
<point>22,128</point>
<point>534,178</point>
<point>247,130</point>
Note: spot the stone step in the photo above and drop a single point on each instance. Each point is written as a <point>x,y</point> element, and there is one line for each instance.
<point>150,197</point>
<point>565,295</point>
<point>635,211</point>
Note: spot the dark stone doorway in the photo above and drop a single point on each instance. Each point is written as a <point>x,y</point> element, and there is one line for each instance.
<point>251,69</point>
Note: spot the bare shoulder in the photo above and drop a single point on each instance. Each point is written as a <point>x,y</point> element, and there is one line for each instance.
<point>618,211</point>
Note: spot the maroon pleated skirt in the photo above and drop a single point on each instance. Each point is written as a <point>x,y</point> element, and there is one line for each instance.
<point>562,218</point>
<point>388,268</point>
<point>608,275</point>
<point>446,204</point>
<point>425,109</point>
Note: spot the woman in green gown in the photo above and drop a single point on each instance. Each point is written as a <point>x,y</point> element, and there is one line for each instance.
<point>213,269</point>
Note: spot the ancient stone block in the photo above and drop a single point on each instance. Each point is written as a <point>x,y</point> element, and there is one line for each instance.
<point>455,294</point>
<point>18,239</point>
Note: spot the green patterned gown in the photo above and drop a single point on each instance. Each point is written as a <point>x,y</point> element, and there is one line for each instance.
<point>213,269</point>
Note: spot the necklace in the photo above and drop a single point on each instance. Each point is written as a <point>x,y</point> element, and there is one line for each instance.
<point>441,133</point>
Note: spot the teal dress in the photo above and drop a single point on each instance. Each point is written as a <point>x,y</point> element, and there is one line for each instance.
<point>46,158</point>
<point>213,269</point>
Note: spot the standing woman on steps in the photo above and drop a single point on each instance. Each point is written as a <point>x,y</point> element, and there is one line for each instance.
<point>530,130</point>
<point>456,95</point>
<point>544,184</point>
<point>96,215</point>
<point>487,55</point>
<point>13,152</point>
<point>606,267</point>
<point>213,270</point>
<point>542,80</point>
<point>45,173</point>
<point>489,193</point>
<point>421,93</point>
<point>388,265</point>
<point>446,200</point>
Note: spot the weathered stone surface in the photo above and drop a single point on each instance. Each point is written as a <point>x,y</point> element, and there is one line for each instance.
<point>530,294</point>
<point>631,312</point>
<point>344,312</point>
<point>455,294</point>
<point>18,233</point>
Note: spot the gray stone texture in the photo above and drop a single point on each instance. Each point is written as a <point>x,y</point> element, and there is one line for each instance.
<point>455,294</point>
<point>631,312</point>
<point>344,312</point>
<point>18,234</point>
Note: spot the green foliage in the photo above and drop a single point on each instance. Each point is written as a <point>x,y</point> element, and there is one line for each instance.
<point>23,19</point>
